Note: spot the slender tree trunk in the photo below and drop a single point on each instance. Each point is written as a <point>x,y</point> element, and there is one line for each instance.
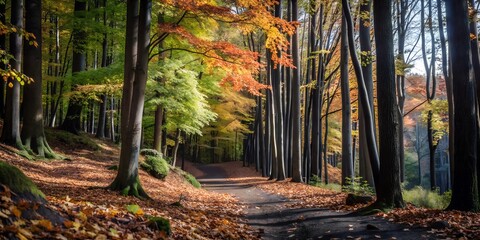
<point>448,83</point>
<point>365,167</point>
<point>312,152</point>
<point>11,124</point>
<point>296,148</point>
<point>368,118</point>
<point>277,100</point>
<point>175,148</point>
<point>112,118</point>
<point>32,132</point>
<point>157,136</point>
<point>103,105</point>
<point>347,161</point>
<point>127,180</point>
<point>388,191</point>
<point>402,7</point>
<point>102,115</point>
<point>3,12</point>
<point>464,189</point>
<point>72,122</point>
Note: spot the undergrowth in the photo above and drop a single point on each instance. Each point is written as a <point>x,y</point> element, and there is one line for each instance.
<point>317,182</point>
<point>73,141</point>
<point>155,166</point>
<point>421,197</point>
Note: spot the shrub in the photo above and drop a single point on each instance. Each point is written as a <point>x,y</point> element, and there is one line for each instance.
<point>358,187</point>
<point>421,197</point>
<point>155,166</point>
<point>317,182</point>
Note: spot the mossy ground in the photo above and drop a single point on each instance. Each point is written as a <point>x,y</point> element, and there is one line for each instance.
<point>81,141</point>
<point>16,180</point>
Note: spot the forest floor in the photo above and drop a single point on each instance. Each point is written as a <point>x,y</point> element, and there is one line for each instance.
<point>235,203</point>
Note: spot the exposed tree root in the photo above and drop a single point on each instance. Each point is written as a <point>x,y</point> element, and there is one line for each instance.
<point>134,188</point>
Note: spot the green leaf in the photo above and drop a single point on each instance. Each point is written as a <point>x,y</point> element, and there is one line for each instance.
<point>134,209</point>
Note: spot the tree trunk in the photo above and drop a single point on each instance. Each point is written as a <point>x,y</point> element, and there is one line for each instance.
<point>367,116</point>
<point>175,148</point>
<point>11,124</point>
<point>102,114</point>
<point>347,160</point>
<point>448,83</point>
<point>131,43</point>
<point>71,123</point>
<point>389,192</point>
<point>365,167</point>
<point>312,150</point>
<point>402,7</point>
<point>278,113</point>
<point>127,180</point>
<point>295,116</point>
<point>3,12</point>
<point>464,188</point>
<point>32,132</point>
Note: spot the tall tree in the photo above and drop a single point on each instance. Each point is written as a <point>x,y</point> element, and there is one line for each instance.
<point>2,65</point>
<point>430,84</point>
<point>127,180</point>
<point>365,167</point>
<point>347,160</point>
<point>295,116</point>
<point>33,135</point>
<point>71,122</point>
<point>102,115</point>
<point>464,189</point>
<point>11,124</point>
<point>388,191</point>
<point>278,111</point>
<point>368,118</point>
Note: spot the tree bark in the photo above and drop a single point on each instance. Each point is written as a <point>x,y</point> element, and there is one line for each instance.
<point>131,43</point>
<point>347,160</point>
<point>3,12</point>
<point>11,124</point>
<point>365,167</point>
<point>464,189</point>
<point>295,116</point>
<point>71,123</point>
<point>389,192</point>
<point>32,132</point>
<point>368,118</point>
<point>127,180</point>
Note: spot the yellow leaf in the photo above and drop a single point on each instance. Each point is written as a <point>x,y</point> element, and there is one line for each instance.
<point>21,237</point>
<point>82,216</point>
<point>25,233</point>
<point>10,85</point>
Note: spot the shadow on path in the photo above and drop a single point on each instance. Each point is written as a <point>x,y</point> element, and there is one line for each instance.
<point>270,214</point>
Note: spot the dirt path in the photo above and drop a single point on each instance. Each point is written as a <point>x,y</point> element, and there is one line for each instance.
<point>269,213</point>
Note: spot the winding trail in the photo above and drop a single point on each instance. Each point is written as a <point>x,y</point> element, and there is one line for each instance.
<point>268,213</point>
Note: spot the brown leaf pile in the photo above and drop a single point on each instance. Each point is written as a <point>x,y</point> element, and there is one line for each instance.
<point>76,188</point>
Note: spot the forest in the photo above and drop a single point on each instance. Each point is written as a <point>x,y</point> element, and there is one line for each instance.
<point>239,119</point>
